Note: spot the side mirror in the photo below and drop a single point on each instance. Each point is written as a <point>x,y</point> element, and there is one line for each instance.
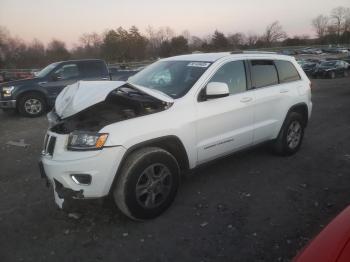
<point>216,90</point>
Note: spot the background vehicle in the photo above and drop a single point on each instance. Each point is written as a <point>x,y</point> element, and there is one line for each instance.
<point>332,244</point>
<point>331,69</point>
<point>32,97</point>
<point>309,67</point>
<point>132,140</point>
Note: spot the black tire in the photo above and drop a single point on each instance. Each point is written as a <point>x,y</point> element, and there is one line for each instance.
<point>141,206</point>
<point>39,105</point>
<point>283,145</point>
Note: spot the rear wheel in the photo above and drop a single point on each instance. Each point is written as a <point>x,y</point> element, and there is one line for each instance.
<point>147,183</point>
<point>32,105</point>
<point>291,135</point>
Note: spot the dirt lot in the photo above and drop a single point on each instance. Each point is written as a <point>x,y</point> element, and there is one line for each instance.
<point>251,206</point>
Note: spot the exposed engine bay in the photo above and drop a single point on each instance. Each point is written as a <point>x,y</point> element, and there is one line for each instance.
<point>121,104</point>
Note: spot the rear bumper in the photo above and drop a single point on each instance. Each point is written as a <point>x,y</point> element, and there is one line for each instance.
<point>7,103</point>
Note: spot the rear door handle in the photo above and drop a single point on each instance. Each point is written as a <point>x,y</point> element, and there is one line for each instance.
<point>246,99</point>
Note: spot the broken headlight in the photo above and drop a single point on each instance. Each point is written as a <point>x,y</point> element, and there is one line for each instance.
<point>86,141</point>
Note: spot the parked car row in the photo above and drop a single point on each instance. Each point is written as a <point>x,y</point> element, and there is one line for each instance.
<point>324,68</point>
<point>316,51</point>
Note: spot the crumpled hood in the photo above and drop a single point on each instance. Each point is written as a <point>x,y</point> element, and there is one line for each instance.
<point>83,94</point>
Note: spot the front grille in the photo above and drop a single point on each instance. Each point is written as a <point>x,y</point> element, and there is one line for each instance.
<point>49,145</point>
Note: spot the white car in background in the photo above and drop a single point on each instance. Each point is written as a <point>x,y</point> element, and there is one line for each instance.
<point>134,139</point>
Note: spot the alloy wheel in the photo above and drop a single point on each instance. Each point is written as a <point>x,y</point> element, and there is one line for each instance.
<point>153,186</point>
<point>294,134</point>
<point>33,106</point>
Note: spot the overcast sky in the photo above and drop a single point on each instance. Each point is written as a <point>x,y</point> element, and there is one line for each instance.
<point>68,19</point>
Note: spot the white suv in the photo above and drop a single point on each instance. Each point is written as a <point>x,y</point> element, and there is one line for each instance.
<point>134,139</point>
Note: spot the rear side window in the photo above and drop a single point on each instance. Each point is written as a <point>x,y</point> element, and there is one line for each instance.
<point>233,74</point>
<point>286,71</point>
<point>263,73</point>
<point>94,69</point>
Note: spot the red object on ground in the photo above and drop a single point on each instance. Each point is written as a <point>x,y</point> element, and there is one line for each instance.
<point>332,244</point>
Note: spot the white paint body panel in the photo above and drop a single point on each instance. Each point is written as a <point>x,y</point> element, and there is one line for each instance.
<point>207,129</point>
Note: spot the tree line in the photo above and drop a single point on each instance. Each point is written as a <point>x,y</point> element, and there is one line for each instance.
<point>333,28</point>
<point>127,45</point>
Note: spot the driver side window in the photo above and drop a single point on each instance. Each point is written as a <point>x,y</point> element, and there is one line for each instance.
<point>69,71</point>
<point>233,74</point>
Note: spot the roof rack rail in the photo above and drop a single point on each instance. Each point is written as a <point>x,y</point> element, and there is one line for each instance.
<point>251,52</point>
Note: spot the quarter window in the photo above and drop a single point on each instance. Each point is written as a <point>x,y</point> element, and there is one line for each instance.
<point>233,74</point>
<point>286,71</point>
<point>263,73</point>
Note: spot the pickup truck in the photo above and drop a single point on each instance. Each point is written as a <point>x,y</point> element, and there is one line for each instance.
<point>34,96</point>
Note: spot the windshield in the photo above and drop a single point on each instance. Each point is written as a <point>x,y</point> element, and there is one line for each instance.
<point>173,78</point>
<point>46,70</point>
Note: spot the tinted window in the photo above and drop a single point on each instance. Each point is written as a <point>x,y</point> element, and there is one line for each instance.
<point>233,74</point>
<point>68,71</point>
<point>287,72</point>
<point>94,69</point>
<point>263,73</point>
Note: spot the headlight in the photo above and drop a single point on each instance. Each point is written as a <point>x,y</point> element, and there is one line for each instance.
<point>7,91</point>
<point>86,141</point>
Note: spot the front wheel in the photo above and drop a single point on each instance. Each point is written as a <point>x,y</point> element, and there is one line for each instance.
<point>291,135</point>
<point>147,183</point>
<point>32,105</point>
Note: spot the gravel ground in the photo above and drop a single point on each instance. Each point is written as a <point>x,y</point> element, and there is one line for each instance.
<point>251,206</point>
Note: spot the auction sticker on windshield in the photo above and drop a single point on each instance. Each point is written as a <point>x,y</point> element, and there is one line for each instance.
<point>198,64</point>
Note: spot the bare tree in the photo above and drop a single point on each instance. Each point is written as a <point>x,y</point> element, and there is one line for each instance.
<point>340,15</point>
<point>320,24</point>
<point>195,43</point>
<point>347,23</point>
<point>252,39</point>
<point>90,40</point>
<point>186,34</point>
<point>274,33</point>
<point>236,40</point>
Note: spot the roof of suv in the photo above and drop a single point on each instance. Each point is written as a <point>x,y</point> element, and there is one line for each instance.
<point>212,57</point>
<point>81,60</point>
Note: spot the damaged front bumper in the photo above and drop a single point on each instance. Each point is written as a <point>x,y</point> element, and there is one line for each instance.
<point>61,193</point>
<point>61,166</point>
